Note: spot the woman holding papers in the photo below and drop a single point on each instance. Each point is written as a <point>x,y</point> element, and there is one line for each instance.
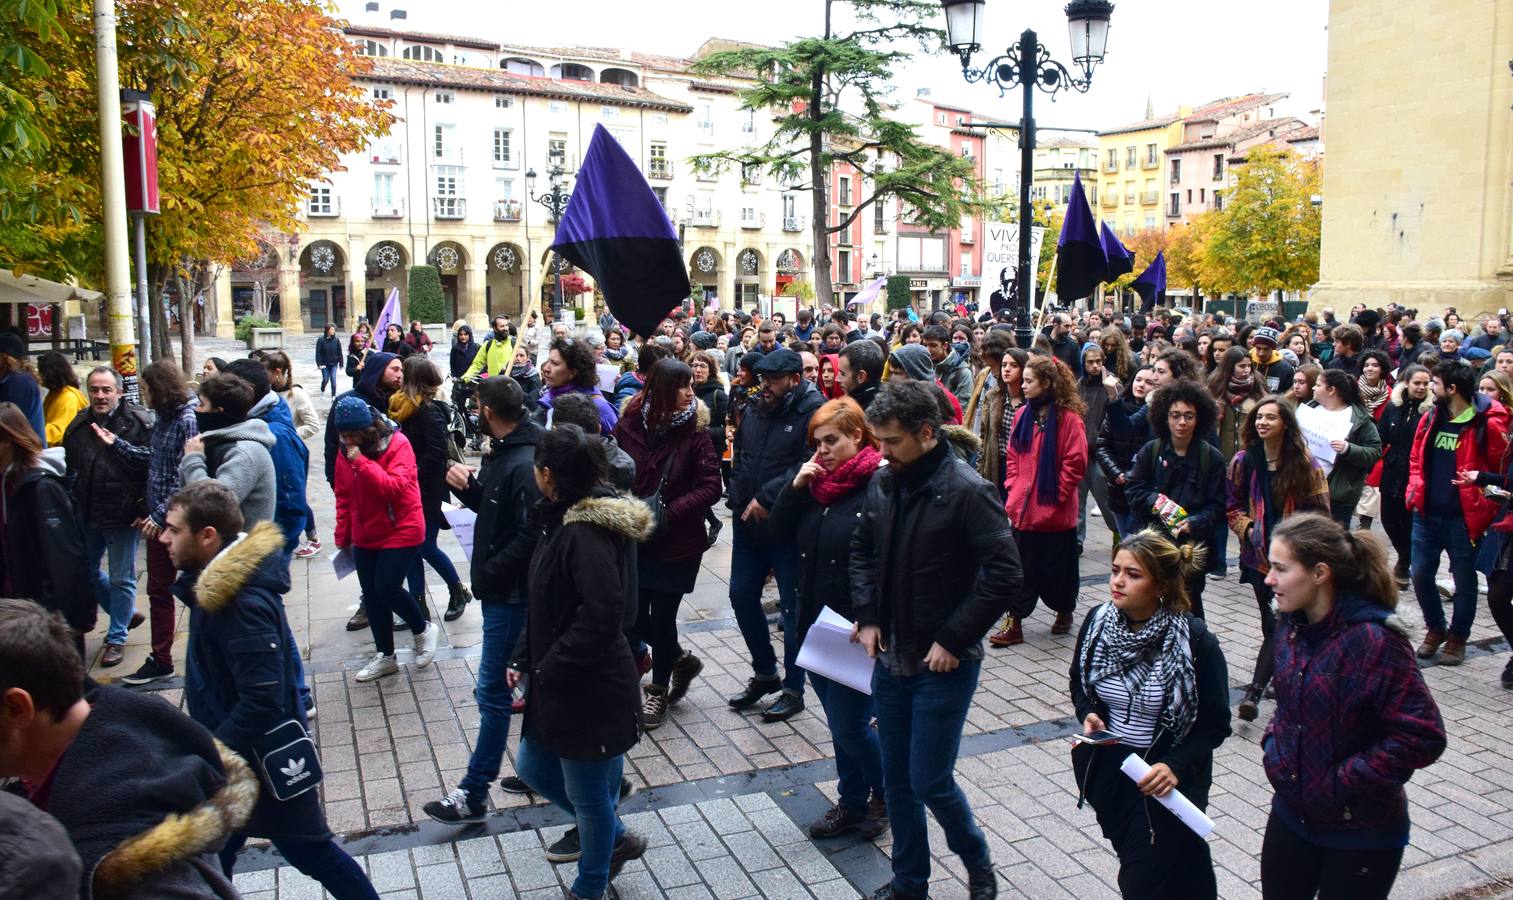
<point>1271,477</point>
<point>820,508</point>
<point>1353,436</point>
<point>1148,671</point>
<point>1354,718</point>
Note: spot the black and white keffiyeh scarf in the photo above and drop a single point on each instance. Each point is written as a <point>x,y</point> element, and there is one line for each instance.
<point>1161,649</point>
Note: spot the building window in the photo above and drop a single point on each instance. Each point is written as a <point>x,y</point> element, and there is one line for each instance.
<point>940,118</point>
<point>1129,157</point>
<point>843,266</point>
<point>383,93</point>
<point>1218,200</point>
<point>320,200</point>
<point>448,181</point>
<point>383,190</point>
<point>966,263</point>
<point>843,190</point>
<point>661,193</point>
<point>504,188</point>
<point>657,164</point>
<point>1037,192</point>
<point>1112,163</point>
<point>502,102</point>
<point>556,148</point>
<point>1189,195</point>
<point>966,151</point>
<point>1150,155</point>
<point>1202,195</point>
<point>502,144</point>
<point>1176,171</point>
<point>879,225</point>
<point>966,231</point>
<point>748,216</point>
<point>385,150</point>
<point>706,120</point>
<point>1176,204</point>
<point>424,54</point>
<point>1150,220</point>
<point>609,112</point>
<point>1129,193</point>
<point>556,106</point>
<point>1218,167</point>
<point>1092,195</point>
<point>442,145</point>
<point>748,122</point>
<point>371,48</point>
<point>445,97</point>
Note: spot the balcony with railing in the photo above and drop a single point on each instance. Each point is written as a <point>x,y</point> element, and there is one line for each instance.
<point>507,162</point>
<point>704,218</point>
<point>659,170</point>
<point>388,209</point>
<point>506,210</point>
<point>449,207</point>
<point>1110,200</point>
<point>1150,162</point>
<point>323,209</point>
<point>1111,165</point>
<point>1150,198</point>
<point>446,156</point>
<point>756,220</point>
<point>793,223</point>
<point>384,155</point>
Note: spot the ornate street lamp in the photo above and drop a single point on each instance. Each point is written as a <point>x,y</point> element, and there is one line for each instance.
<point>1028,65</point>
<point>555,202</point>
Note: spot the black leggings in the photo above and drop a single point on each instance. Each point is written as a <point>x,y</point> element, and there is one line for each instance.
<point>657,625</point>
<point>1294,869</point>
<point>1397,521</point>
<point>1265,659</point>
<point>1500,602</point>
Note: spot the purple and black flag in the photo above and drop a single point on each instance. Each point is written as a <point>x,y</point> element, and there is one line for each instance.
<point>1081,264</point>
<point>615,229</point>
<point>1120,260</point>
<point>1152,283</point>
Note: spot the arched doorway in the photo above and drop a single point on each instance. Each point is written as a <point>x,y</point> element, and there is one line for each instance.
<point>704,274</point>
<point>504,282</point>
<point>451,262</point>
<point>386,264</point>
<point>322,285</point>
<point>748,278</point>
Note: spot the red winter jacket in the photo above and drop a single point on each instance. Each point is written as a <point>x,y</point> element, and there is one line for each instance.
<point>1483,442</point>
<point>1025,510</point>
<point>378,501</point>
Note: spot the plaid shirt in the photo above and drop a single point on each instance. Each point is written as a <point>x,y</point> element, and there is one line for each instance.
<point>165,447</point>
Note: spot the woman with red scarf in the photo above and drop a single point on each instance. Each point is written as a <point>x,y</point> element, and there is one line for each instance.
<point>820,508</point>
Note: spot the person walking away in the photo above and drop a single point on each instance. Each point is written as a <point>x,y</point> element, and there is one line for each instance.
<point>424,423</point>
<point>109,493</point>
<point>584,712</point>
<point>291,458</point>
<point>81,758</point>
<point>1272,477</point>
<point>932,568</point>
<point>1339,816</point>
<point>502,493</point>
<point>306,425</point>
<point>1465,432</point>
<point>64,399</point>
<point>18,381</point>
<point>1338,395</point>
<point>820,507</point>
<point>1409,402</point>
<point>1149,671</point>
<point>665,429</point>
<point>42,555</point>
<point>328,358</point>
<point>173,404</point>
<point>243,683</point>
<point>1116,455</point>
<point>769,444</point>
<point>380,521</point>
<point>1094,399</point>
<point>1177,484</point>
<point>1045,461</point>
<point>711,393</point>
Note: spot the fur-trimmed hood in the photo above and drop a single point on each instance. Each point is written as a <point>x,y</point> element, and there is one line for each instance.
<point>1400,397</point>
<point>626,516</point>
<point>963,442</point>
<point>240,564</point>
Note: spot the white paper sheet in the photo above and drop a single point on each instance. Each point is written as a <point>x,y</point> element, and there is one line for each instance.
<point>1319,427</point>
<point>1181,807</point>
<point>828,651</point>
<point>462,520</point>
<point>343,563</point>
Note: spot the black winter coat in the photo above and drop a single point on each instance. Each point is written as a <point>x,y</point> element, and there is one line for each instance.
<point>503,495</point>
<point>933,559</point>
<point>462,357</point>
<point>585,690</point>
<point>239,680</point>
<point>1396,427</point>
<point>824,536</point>
<point>109,489</point>
<point>1197,485</point>
<point>328,351</point>
<point>714,397</point>
<point>693,480</point>
<point>1115,455</point>
<point>769,446</point>
<point>44,546</point>
<point>1191,759</point>
<point>427,430</point>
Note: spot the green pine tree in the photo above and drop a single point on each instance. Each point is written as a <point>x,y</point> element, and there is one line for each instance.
<point>426,303</point>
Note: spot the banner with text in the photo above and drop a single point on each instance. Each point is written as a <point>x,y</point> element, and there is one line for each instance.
<point>1000,250</point>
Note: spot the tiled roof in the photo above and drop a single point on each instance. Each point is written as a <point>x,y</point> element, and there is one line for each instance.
<point>1307,133</point>
<point>1143,125</point>
<point>405,71</point>
<point>418,36</point>
<point>1229,106</point>
<point>1065,142</point>
<point>1230,139</point>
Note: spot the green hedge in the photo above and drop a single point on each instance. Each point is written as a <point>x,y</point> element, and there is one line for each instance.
<point>898,292</point>
<point>426,302</point>
<point>245,325</point>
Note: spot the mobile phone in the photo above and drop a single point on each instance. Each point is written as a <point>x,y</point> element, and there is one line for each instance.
<point>1098,738</point>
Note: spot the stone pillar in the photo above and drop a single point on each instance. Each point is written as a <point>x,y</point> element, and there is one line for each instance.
<point>220,296</point>
<point>472,304</point>
<point>357,296</point>
<point>289,300</point>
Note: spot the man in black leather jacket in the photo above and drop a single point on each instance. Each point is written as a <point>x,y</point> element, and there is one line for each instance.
<point>933,566</point>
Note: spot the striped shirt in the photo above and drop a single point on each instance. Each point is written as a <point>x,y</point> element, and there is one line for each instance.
<point>1134,719</point>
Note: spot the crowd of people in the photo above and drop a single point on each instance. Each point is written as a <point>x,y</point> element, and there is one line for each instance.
<point>930,480</point>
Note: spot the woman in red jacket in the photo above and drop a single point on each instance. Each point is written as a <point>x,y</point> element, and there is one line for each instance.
<point>1046,459</point>
<point>380,522</point>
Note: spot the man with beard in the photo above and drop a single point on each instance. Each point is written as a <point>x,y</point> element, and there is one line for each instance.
<point>495,355</point>
<point>770,443</point>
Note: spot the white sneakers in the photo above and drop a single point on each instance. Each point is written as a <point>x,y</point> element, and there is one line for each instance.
<point>380,665</point>
<point>425,645</point>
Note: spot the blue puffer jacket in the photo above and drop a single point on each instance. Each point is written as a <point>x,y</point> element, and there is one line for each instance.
<point>291,463</point>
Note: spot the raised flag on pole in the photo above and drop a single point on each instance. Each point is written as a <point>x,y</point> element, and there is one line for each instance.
<point>390,315</point>
<point>615,229</point>
<point>1081,264</point>
<point>1120,260</point>
<point>1151,283</point>
<point>868,294</point>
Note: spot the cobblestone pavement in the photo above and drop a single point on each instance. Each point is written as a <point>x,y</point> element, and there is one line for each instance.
<point>725,800</point>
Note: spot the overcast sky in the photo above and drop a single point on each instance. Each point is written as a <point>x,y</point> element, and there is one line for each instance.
<point>1176,52</point>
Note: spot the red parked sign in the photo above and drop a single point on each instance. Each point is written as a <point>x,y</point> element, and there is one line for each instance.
<point>139,141</point>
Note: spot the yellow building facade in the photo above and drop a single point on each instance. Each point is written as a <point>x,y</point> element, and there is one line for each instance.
<point>1131,160</point>
<point>1418,206</point>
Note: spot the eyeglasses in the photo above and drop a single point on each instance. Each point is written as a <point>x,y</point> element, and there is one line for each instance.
<point>1181,417</point>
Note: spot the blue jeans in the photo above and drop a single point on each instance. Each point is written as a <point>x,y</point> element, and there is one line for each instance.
<point>502,623</point>
<point>858,758</point>
<point>1433,534</point>
<point>328,374</point>
<point>431,553</point>
<point>117,595</point>
<point>919,722</point>
<point>752,557</point>
<point>589,790</point>
<point>324,861</point>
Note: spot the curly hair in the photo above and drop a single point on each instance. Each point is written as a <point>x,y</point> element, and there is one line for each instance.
<point>1053,372</point>
<point>1194,394</point>
<point>578,356</point>
<point>1117,357</point>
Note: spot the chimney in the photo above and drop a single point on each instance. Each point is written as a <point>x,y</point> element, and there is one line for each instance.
<point>371,7</point>
<point>398,14</point>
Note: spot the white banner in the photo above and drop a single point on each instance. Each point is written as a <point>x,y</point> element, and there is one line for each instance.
<point>1000,250</point>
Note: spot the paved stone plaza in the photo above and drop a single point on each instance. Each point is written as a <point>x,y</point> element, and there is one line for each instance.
<point>725,800</point>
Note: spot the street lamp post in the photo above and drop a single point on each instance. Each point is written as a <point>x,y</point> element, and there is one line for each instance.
<point>1028,65</point>
<point>555,202</point>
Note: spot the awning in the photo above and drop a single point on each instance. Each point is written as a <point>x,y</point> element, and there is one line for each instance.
<point>35,289</point>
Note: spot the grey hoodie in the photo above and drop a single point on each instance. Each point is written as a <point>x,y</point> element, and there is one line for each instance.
<point>238,457</point>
